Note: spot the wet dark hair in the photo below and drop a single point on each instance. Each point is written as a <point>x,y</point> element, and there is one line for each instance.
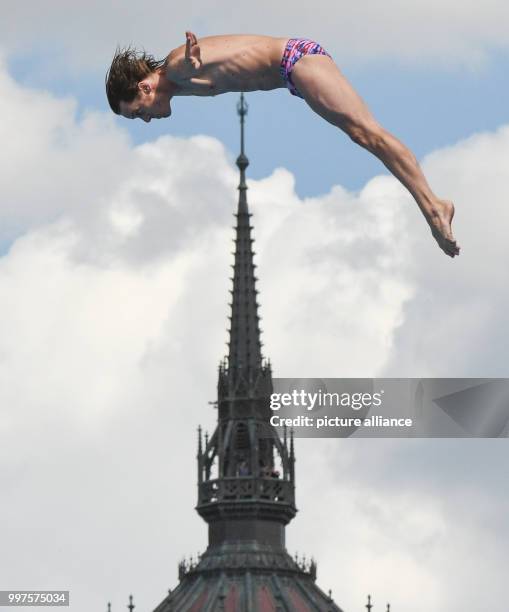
<point>128,68</point>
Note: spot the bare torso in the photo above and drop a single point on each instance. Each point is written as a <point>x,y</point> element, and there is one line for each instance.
<point>235,62</point>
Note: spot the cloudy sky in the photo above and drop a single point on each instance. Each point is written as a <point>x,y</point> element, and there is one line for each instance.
<point>114,264</point>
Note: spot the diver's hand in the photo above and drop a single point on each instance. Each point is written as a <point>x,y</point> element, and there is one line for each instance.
<point>192,59</point>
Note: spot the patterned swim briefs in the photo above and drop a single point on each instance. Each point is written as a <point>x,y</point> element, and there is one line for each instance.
<point>294,50</point>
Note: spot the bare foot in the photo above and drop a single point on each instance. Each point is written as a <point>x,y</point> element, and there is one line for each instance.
<point>440,223</point>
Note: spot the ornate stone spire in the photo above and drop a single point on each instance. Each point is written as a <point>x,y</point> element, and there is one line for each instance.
<point>245,460</point>
<point>246,486</point>
<point>244,354</point>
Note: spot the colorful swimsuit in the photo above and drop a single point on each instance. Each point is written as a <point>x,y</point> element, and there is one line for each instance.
<point>294,50</point>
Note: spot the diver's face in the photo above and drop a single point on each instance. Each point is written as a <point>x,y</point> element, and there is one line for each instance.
<point>148,104</point>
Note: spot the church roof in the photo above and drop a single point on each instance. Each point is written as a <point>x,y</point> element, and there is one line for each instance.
<point>248,591</point>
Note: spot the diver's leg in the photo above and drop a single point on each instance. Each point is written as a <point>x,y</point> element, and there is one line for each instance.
<point>330,95</point>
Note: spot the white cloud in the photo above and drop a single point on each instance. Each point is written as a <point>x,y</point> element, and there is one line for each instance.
<point>113,303</point>
<point>463,305</point>
<point>78,35</point>
<point>51,162</point>
<point>400,519</point>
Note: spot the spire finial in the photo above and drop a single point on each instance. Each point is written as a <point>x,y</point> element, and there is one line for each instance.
<point>131,606</point>
<point>200,449</point>
<point>242,160</point>
<point>109,606</point>
<point>388,607</point>
<point>369,604</point>
<point>242,108</point>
